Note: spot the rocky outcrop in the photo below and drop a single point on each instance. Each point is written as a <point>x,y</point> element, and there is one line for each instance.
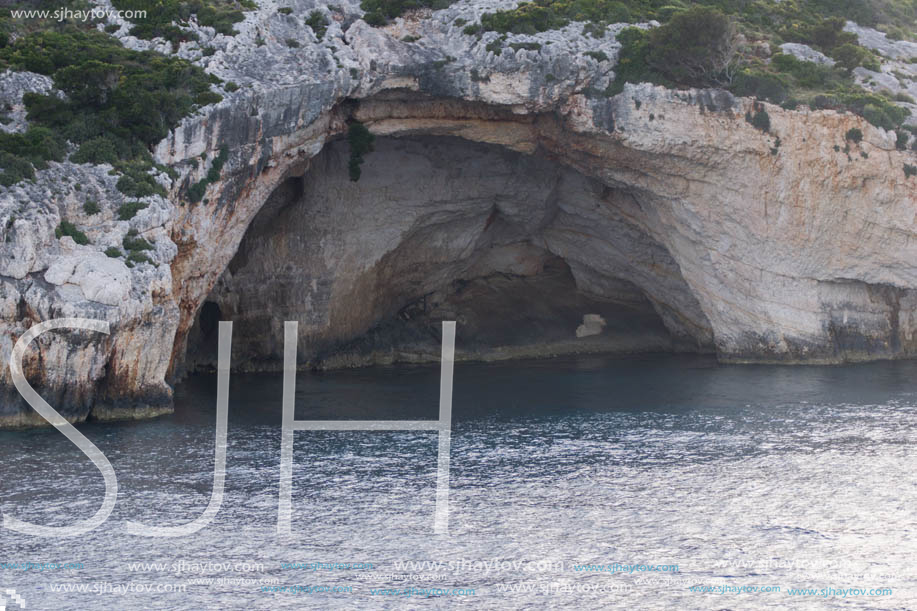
<point>500,184</point>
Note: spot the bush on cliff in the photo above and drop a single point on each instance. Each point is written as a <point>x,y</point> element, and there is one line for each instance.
<point>197,190</point>
<point>66,228</point>
<point>633,65</point>
<point>698,46</point>
<point>129,210</point>
<point>761,85</point>
<point>20,154</point>
<point>760,119</point>
<point>816,22</point>
<point>119,102</point>
<point>161,16</point>
<point>318,22</point>
<point>361,142</point>
<point>379,12</point>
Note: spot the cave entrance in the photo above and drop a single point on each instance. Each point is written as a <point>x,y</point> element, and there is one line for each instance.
<point>530,258</point>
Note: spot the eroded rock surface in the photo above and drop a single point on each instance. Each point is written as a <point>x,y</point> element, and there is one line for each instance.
<point>496,179</point>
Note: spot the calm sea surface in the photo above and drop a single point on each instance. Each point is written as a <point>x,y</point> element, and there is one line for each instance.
<point>588,483</point>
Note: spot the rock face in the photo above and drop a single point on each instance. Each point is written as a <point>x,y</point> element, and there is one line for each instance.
<point>503,192</point>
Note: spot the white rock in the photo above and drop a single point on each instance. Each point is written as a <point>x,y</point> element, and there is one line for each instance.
<point>100,278</point>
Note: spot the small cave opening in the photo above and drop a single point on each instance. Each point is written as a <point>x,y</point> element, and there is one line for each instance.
<point>203,339</point>
<point>530,257</point>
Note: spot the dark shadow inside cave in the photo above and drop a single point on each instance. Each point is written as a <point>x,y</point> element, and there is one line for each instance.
<point>529,257</point>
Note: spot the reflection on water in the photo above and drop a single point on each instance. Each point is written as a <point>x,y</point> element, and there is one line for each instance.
<point>743,477</point>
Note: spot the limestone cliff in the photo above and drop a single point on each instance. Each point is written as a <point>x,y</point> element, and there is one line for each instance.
<point>502,192</point>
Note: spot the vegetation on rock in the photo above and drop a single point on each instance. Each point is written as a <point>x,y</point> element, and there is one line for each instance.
<point>164,17</point>
<point>361,142</point>
<point>129,210</point>
<point>197,190</point>
<point>119,103</point>
<point>318,22</point>
<point>380,12</point>
<point>66,228</point>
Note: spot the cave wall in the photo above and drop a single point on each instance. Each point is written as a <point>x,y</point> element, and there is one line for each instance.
<point>517,248</point>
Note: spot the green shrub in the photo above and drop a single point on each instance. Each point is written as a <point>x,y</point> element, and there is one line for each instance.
<point>854,134</point>
<point>776,148</point>
<point>901,140</point>
<point>162,15</point>
<point>14,169</point>
<point>697,47</point>
<point>113,252</point>
<point>883,115</point>
<point>871,62</point>
<point>66,228</point>
<point>599,56</point>
<point>91,207</point>
<point>760,119</point>
<point>318,22</point>
<point>213,174</point>
<point>206,98</point>
<point>808,75</point>
<point>760,85</point>
<point>208,51</point>
<point>129,210</point>
<point>495,46</point>
<point>230,87</point>
<point>526,18</point>
<point>133,243</point>
<point>544,15</point>
<point>293,44</point>
<point>136,181</point>
<point>595,30</point>
<point>910,170</point>
<point>119,102</point>
<point>823,33</point>
<point>850,55</point>
<point>361,142</point>
<point>875,109</point>
<point>379,12</point>
<point>22,154</point>
<point>375,19</point>
<point>96,150</point>
<point>197,190</point>
<point>135,256</point>
<point>285,10</point>
<point>632,65</point>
